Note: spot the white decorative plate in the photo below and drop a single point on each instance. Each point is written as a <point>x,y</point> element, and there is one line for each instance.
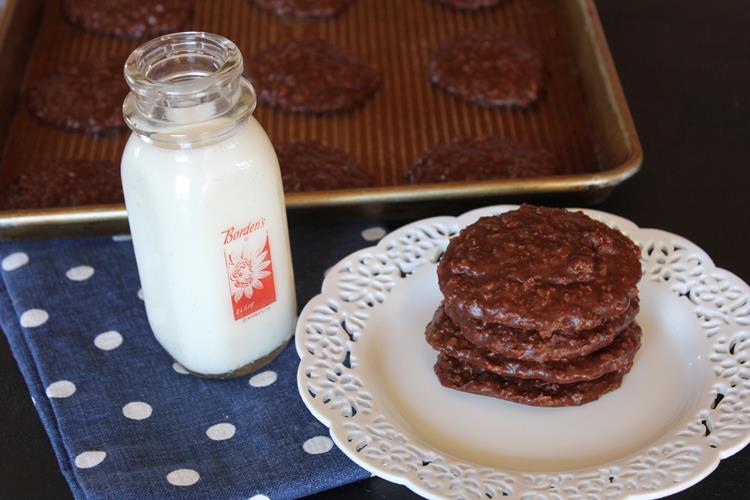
<point>366,373</point>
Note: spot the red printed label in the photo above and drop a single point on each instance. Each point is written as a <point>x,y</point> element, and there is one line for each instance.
<point>247,253</point>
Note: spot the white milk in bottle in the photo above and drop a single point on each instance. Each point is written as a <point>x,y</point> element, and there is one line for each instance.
<point>206,207</point>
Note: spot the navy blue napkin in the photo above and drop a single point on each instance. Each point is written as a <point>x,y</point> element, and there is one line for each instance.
<point>125,421</point>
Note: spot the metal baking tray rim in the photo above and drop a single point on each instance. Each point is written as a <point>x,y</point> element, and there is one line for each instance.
<point>13,221</point>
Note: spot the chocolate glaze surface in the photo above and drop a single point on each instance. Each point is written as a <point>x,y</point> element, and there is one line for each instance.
<point>85,97</point>
<point>488,67</point>
<point>530,346</point>
<point>126,18</point>
<point>64,183</point>
<point>304,9</point>
<point>311,166</point>
<point>444,336</point>
<point>311,76</point>
<point>480,159</point>
<point>542,269</point>
<point>454,374</point>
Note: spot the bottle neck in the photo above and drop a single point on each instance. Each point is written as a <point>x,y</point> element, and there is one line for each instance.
<point>186,88</point>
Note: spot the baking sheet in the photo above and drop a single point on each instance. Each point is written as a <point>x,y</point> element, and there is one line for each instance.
<point>407,116</point>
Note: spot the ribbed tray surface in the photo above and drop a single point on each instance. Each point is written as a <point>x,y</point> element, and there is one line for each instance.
<point>407,115</point>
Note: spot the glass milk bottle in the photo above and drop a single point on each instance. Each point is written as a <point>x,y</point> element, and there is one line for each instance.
<point>206,207</point>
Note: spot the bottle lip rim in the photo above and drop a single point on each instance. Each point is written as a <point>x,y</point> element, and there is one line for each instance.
<point>137,78</point>
<point>153,131</point>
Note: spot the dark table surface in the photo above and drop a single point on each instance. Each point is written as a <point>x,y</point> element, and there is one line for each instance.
<point>685,68</point>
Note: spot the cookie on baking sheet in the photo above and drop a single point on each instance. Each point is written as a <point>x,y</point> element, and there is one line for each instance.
<point>311,76</point>
<point>126,18</point>
<point>311,166</point>
<point>488,67</point>
<point>305,9</point>
<point>444,336</point>
<point>530,346</point>
<point>454,374</point>
<point>541,269</point>
<point>480,159</point>
<point>471,4</point>
<point>64,183</point>
<point>86,97</point>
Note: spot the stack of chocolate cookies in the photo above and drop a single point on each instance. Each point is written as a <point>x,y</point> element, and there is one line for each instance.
<point>539,308</point>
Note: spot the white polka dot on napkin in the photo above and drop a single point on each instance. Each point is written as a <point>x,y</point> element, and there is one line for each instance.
<point>80,273</point>
<point>90,458</point>
<point>137,410</point>
<point>183,477</point>
<point>14,261</point>
<point>179,368</point>
<point>221,432</point>
<point>61,389</point>
<point>318,445</point>
<point>263,379</point>
<point>33,318</point>
<point>108,340</point>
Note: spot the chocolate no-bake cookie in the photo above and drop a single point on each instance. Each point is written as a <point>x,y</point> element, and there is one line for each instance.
<point>542,269</point>
<point>480,159</point>
<point>528,345</point>
<point>444,336</point>
<point>311,76</point>
<point>126,18</point>
<point>488,67</point>
<point>84,97</point>
<point>64,183</point>
<point>311,166</point>
<point>454,374</point>
<point>305,9</point>
<point>470,4</point>
<point>539,308</point>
